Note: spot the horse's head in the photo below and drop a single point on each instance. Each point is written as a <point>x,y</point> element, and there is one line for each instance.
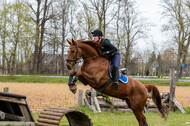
<point>74,54</point>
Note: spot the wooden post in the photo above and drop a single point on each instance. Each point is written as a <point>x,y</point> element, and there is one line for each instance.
<point>2,115</point>
<point>178,106</point>
<point>172,89</point>
<point>97,104</point>
<point>91,107</point>
<point>93,94</point>
<point>80,97</point>
<point>6,89</point>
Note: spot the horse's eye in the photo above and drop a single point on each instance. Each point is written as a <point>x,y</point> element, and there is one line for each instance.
<point>72,51</point>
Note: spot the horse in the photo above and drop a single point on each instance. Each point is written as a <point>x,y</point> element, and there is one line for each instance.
<point>94,72</point>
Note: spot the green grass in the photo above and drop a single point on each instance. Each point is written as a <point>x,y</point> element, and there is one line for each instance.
<point>164,82</point>
<point>128,119</point>
<point>37,79</point>
<point>33,79</point>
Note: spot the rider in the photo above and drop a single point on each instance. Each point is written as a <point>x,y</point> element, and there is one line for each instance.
<point>110,51</point>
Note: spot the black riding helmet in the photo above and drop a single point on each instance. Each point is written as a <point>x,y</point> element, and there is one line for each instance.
<point>97,32</point>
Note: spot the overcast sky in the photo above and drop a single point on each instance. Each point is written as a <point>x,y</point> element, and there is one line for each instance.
<point>151,10</point>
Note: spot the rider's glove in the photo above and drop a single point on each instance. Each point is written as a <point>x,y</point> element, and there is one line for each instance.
<point>105,53</point>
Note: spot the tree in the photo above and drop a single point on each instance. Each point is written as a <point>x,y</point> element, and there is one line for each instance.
<point>86,17</point>
<point>3,32</point>
<point>100,8</point>
<point>151,60</point>
<point>65,6</point>
<point>134,28</point>
<point>160,68</point>
<point>42,15</point>
<point>19,29</point>
<point>168,62</point>
<point>178,27</point>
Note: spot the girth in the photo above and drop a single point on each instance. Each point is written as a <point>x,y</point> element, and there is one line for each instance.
<point>101,89</point>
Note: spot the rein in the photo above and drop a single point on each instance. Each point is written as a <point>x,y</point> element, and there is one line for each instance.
<point>90,58</point>
<point>84,59</point>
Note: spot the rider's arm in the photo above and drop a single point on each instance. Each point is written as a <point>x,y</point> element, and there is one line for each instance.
<point>109,46</point>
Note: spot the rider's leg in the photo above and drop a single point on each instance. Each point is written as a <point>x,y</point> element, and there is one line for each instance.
<point>116,77</point>
<point>115,59</point>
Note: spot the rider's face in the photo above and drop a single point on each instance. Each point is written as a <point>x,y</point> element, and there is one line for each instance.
<point>96,38</point>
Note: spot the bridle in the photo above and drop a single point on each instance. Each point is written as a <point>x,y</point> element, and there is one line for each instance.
<point>75,57</point>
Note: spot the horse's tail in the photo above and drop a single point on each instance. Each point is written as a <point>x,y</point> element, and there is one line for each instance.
<point>157,100</point>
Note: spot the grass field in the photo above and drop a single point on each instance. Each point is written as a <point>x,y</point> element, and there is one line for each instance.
<point>37,79</point>
<point>128,119</point>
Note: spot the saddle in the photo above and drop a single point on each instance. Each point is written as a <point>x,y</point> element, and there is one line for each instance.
<point>122,77</point>
<point>122,74</point>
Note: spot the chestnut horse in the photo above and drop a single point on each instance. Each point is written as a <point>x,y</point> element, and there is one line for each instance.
<point>94,72</point>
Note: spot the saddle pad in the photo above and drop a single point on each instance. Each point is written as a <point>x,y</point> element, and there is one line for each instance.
<point>123,79</point>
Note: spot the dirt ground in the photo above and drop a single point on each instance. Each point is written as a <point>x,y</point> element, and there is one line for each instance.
<point>40,96</point>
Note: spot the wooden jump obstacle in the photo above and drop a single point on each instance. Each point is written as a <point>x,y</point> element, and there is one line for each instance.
<point>120,105</point>
<point>14,110</point>
<point>92,101</point>
<point>52,117</point>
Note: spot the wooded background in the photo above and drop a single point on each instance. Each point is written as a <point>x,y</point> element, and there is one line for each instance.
<point>33,34</point>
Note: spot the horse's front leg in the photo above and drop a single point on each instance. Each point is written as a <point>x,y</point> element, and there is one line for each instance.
<point>72,81</point>
<point>84,77</point>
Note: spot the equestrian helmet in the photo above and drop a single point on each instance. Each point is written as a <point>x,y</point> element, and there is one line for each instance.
<point>97,32</point>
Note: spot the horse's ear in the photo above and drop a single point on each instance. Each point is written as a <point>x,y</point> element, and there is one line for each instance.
<point>73,41</point>
<point>69,42</point>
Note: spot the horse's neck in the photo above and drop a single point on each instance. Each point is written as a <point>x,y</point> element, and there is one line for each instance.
<point>88,51</point>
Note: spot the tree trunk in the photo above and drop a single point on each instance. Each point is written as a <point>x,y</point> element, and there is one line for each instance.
<point>9,65</point>
<point>64,16</point>
<point>4,54</point>
<point>117,27</point>
<point>39,63</point>
<point>104,16</point>
<point>3,37</point>
<point>35,55</point>
<point>127,54</point>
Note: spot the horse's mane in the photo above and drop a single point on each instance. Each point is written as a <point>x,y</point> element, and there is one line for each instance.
<point>96,45</point>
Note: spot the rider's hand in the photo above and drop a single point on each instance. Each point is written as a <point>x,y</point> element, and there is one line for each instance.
<point>105,53</point>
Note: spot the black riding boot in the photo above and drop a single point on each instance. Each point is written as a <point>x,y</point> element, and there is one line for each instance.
<point>116,78</point>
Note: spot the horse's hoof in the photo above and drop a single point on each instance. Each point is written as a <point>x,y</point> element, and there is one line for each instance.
<point>73,89</point>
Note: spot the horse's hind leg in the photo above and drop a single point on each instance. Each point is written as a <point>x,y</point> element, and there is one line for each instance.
<point>138,113</point>
<point>140,117</point>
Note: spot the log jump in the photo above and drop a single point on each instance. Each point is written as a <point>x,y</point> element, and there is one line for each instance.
<point>52,117</point>
<point>14,110</point>
<point>120,105</point>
